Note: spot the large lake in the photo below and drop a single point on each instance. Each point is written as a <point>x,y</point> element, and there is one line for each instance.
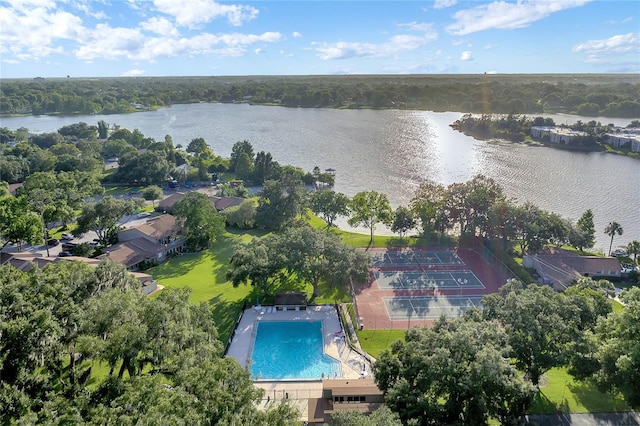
<point>393,151</point>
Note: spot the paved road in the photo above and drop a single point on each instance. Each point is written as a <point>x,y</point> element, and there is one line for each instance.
<point>598,419</point>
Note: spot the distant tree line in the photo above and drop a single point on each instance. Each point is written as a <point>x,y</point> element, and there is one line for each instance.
<point>589,95</point>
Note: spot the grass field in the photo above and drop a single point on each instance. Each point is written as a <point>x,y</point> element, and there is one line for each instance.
<point>205,273</point>
<point>561,393</point>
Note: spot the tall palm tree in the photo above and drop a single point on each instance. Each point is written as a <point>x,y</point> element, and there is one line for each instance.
<point>611,230</point>
<point>633,248</point>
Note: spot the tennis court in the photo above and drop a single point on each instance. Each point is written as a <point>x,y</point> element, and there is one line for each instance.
<point>414,258</point>
<point>429,307</point>
<point>418,280</point>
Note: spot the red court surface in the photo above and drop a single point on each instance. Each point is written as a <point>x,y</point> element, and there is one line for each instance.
<point>369,297</point>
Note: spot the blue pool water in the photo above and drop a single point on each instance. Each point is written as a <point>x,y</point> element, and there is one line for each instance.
<point>291,350</point>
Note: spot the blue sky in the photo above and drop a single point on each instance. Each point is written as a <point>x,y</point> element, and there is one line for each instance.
<point>110,38</point>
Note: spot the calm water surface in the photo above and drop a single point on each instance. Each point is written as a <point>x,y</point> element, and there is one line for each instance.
<point>394,151</point>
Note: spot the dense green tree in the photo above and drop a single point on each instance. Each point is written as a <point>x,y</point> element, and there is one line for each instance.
<point>316,256</point>
<point>382,416</point>
<point>633,248</point>
<point>457,372</point>
<point>47,140</point>
<point>428,206</point>
<point>369,208</point>
<point>403,221</point>
<point>115,148</point>
<point>18,224</point>
<point>611,230</point>
<point>258,263</point>
<point>587,230</point>
<point>264,168</point>
<point>328,205</point>
<point>244,167</point>
<point>143,168</point>
<point>242,216</point>
<point>152,193</point>
<point>280,201</point>
<point>197,146</point>
<point>237,150</point>
<point>102,217</point>
<point>614,350</point>
<point>103,129</point>
<point>541,325</point>
<point>79,131</point>
<point>202,222</point>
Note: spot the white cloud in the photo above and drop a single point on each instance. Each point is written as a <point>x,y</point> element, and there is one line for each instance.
<point>161,26</point>
<point>133,73</point>
<point>297,34</point>
<point>466,56</point>
<point>422,27</point>
<point>506,16</point>
<point>442,4</point>
<point>489,46</point>
<point>258,51</point>
<point>598,51</point>
<point>195,12</point>
<point>31,28</point>
<point>112,43</point>
<point>456,42</point>
<point>395,44</point>
<point>491,72</point>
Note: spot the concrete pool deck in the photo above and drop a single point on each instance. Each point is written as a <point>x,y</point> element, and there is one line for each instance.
<point>351,362</point>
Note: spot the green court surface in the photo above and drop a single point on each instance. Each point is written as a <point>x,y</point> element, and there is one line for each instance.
<point>417,280</point>
<point>429,307</point>
<point>391,258</point>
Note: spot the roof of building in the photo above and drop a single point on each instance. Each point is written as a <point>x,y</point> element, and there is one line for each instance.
<point>563,266</point>
<point>132,252</point>
<point>158,227</point>
<point>222,203</point>
<point>170,201</point>
<point>351,387</point>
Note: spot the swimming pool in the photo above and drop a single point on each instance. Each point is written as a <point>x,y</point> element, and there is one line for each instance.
<point>291,350</point>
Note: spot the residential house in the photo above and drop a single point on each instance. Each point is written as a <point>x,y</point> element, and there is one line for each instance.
<point>167,204</point>
<point>223,203</point>
<point>560,268</point>
<point>165,230</point>
<point>361,395</point>
<point>135,253</point>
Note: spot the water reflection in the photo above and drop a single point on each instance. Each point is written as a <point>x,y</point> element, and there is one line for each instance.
<point>394,151</point>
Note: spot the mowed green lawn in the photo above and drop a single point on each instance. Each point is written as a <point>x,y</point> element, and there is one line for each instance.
<point>561,393</point>
<point>205,273</point>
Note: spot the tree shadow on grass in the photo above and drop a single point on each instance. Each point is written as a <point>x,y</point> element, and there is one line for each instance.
<point>177,266</point>
<point>587,394</point>
<point>225,314</point>
<point>542,405</point>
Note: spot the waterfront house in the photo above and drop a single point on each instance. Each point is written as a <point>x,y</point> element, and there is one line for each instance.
<point>559,268</point>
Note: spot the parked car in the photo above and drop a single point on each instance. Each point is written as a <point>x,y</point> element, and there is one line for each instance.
<point>143,214</point>
<point>619,253</point>
<point>65,254</point>
<point>68,245</point>
<point>67,237</point>
<point>53,242</point>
